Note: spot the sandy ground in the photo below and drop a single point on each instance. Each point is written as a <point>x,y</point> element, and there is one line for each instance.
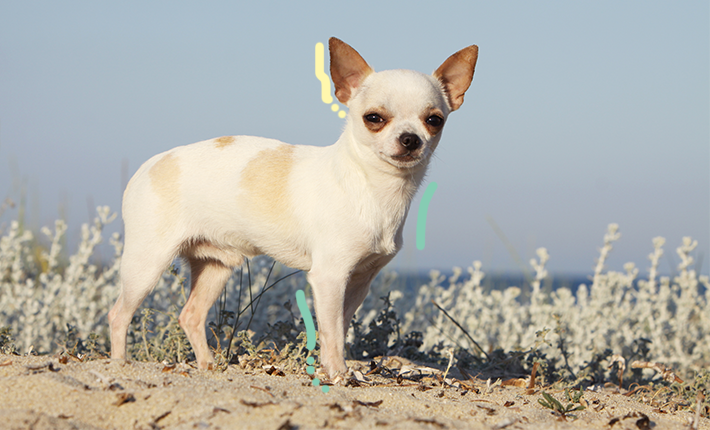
<point>53,393</point>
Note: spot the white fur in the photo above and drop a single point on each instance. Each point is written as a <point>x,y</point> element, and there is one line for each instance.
<point>336,212</point>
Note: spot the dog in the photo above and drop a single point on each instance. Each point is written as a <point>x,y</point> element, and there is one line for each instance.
<point>336,212</point>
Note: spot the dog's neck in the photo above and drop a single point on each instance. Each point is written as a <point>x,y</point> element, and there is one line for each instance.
<point>382,179</point>
<point>379,191</point>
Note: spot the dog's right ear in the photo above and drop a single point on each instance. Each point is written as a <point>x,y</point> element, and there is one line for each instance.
<point>456,74</point>
<point>347,69</point>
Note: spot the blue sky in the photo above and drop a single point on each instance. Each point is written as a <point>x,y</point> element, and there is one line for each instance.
<point>580,113</point>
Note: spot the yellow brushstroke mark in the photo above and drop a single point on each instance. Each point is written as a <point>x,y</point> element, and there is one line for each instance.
<point>321,75</point>
<point>325,80</point>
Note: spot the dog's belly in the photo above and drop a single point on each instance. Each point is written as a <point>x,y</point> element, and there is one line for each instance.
<point>231,247</point>
<point>230,256</point>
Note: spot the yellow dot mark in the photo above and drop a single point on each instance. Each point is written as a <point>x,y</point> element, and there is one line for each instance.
<point>341,114</point>
<point>335,107</point>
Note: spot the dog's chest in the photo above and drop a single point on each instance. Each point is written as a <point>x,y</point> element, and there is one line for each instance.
<point>382,219</point>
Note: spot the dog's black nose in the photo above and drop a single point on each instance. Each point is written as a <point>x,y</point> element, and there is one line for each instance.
<point>410,141</point>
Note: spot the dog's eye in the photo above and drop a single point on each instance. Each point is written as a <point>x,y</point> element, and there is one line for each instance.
<point>373,118</point>
<point>435,121</point>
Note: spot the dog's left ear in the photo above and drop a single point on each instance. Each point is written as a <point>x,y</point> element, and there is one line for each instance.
<point>347,69</point>
<point>456,74</point>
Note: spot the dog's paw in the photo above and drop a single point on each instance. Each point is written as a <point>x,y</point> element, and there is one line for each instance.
<point>206,365</point>
<point>118,362</point>
<point>350,378</point>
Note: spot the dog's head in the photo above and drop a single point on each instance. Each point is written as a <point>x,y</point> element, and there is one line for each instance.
<point>399,114</point>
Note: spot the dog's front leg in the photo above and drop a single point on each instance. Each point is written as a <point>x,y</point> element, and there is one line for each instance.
<point>329,295</point>
<point>357,289</point>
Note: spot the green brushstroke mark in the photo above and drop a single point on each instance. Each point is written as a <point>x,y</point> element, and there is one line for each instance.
<point>310,337</point>
<point>421,217</point>
<point>307,319</point>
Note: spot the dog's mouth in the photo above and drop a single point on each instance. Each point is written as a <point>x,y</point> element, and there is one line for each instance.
<point>407,159</point>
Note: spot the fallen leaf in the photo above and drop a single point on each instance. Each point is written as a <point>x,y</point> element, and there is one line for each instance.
<point>255,404</point>
<point>644,423</point>
<point>287,426</point>
<point>266,390</point>
<point>273,370</point>
<point>516,382</point>
<point>429,421</point>
<point>123,398</point>
<point>161,416</point>
<point>369,404</point>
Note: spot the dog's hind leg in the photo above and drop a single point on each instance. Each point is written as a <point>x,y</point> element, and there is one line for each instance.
<point>139,274</point>
<point>208,279</point>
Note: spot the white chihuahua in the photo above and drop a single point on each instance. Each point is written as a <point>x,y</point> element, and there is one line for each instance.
<point>336,212</point>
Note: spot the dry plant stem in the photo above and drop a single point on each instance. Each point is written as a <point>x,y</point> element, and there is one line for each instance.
<point>144,331</point>
<point>258,300</point>
<point>236,316</point>
<point>451,361</point>
<point>8,203</point>
<point>666,372</point>
<point>699,398</point>
<point>531,383</point>
<point>462,329</point>
<point>509,246</point>
<point>620,361</point>
<point>251,305</point>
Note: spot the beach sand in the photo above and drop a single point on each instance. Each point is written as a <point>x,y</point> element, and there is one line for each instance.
<point>51,392</point>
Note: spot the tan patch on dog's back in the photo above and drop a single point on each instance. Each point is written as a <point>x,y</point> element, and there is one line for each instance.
<point>165,177</point>
<point>265,180</point>
<point>224,141</point>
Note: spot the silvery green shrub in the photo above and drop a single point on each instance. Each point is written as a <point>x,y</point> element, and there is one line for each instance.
<point>39,297</point>
<point>613,312</point>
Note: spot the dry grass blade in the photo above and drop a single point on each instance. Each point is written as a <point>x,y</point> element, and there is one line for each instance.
<point>666,372</point>
<point>461,328</point>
